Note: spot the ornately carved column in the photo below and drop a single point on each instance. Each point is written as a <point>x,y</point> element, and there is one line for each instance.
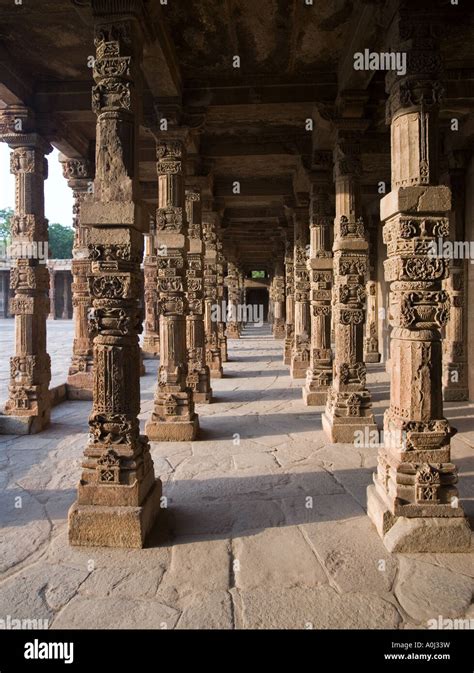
<point>221,325</point>
<point>234,307</point>
<point>118,495</point>
<point>349,408</point>
<point>290,303</point>
<point>211,308</point>
<point>28,406</point>
<point>319,374</point>
<point>278,295</point>
<point>151,337</point>
<point>173,418</point>
<point>302,318</point>
<point>79,174</point>
<point>371,341</point>
<point>414,502</point>
<point>199,379</point>
<point>455,364</point>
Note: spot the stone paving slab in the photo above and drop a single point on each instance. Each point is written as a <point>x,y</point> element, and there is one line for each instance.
<point>265,527</point>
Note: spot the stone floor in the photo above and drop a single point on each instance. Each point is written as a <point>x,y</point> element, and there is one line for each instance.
<point>265,526</point>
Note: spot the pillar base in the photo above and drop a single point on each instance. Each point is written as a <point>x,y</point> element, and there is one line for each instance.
<point>298,369</point>
<point>417,535</point>
<point>202,398</point>
<point>455,394</point>
<point>100,526</point>
<point>79,386</point>
<point>151,347</point>
<point>372,357</point>
<point>23,425</point>
<point>217,373</point>
<point>342,429</point>
<point>315,398</point>
<point>172,431</point>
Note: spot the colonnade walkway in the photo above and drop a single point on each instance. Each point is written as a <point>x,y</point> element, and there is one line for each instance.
<point>265,524</point>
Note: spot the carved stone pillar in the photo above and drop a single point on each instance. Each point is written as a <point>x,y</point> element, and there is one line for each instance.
<point>290,303</point>
<point>349,408</point>
<point>302,318</point>
<point>79,174</point>
<point>211,308</point>
<point>278,295</point>
<point>414,503</point>
<point>151,337</point>
<point>221,325</point>
<point>28,406</point>
<point>173,418</point>
<point>455,364</point>
<point>234,307</point>
<point>371,342</point>
<point>118,496</point>
<point>319,374</point>
<point>198,371</point>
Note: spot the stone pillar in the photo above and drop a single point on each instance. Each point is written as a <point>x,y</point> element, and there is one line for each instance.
<point>173,418</point>
<point>290,303</point>
<point>302,319</point>
<point>52,293</point>
<point>349,408</point>
<point>199,379</point>
<point>221,325</point>
<point>211,308</point>
<point>278,295</point>
<point>319,374</point>
<point>234,301</point>
<point>151,337</point>
<point>371,342</point>
<point>28,406</point>
<point>118,496</point>
<point>455,364</point>
<point>414,503</point>
<point>79,174</point>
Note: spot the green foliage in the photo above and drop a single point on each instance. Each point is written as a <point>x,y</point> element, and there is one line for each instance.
<point>61,240</point>
<point>6,215</point>
<point>258,274</point>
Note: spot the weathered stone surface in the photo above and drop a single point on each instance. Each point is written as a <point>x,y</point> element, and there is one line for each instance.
<point>317,608</point>
<point>212,610</point>
<point>198,564</point>
<point>276,557</point>
<point>115,613</point>
<point>425,591</point>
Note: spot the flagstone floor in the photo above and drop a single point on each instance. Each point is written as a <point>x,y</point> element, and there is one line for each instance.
<point>265,525</point>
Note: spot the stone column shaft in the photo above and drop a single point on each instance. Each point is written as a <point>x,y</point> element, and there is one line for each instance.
<point>290,303</point>
<point>79,174</point>
<point>302,319</point>
<point>234,307</point>
<point>198,371</point>
<point>173,418</point>
<point>349,408</point>
<point>277,295</point>
<point>371,341</point>
<point>151,337</point>
<point>414,503</point>
<point>221,325</point>
<point>212,310</point>
<point>118,496</point>
<point>28,406</point>
<point>319,374</point>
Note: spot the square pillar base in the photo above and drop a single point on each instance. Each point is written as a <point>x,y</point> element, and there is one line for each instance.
<point>298,369</point>
<point>372,357</point>
<point>172,431</point>
<point>127,527</point>
<point>217,373</point>
<point>23,425</point>
<point>342,429</point>
<point>417,535</point>
<point>202,398</point>
<point>315,398</point>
